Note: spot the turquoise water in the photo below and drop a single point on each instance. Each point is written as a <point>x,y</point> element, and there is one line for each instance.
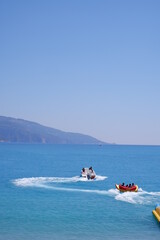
<point>43,197</point>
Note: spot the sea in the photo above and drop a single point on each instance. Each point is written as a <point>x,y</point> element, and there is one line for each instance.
<point>43,197</point>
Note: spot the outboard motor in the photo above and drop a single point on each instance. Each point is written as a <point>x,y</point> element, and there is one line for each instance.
<point>88,176</point>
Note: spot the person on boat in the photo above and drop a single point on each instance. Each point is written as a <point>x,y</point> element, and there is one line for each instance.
<point>127,185</point>
<point>130,186</point>
<point>123,184</point>
<point>91,169</point>
<point>83,169</point>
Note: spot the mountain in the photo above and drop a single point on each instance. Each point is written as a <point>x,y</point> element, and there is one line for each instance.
<point>21,131</point>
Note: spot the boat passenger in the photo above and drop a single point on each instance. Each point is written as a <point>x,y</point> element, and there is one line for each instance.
<point>132,184</point>
<point>129,185</point>
<point>123,184</point>
<point>91,169</point>
<point>83,169</point>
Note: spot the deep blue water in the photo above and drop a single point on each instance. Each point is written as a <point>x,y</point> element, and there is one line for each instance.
<point>43,197</point>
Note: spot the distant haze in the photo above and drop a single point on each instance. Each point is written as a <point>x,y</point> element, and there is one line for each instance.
<point>90,67</point>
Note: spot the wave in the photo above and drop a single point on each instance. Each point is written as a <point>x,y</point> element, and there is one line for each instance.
<point>141,197</point>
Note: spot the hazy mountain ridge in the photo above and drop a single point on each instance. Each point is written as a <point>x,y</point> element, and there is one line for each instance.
<point>23,131</point>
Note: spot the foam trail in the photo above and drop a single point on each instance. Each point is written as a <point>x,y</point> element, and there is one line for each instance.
<point>42,183</point>
<point>100,192</point>
<point>130,197</point>
<point>140,197</point>
<point>28,182</point>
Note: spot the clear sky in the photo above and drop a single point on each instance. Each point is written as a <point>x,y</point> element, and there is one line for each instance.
<point>87,66</point>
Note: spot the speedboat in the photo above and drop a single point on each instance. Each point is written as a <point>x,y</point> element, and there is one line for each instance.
<point>88,173</point>
<point>127,188</point>
<point>156,212</point>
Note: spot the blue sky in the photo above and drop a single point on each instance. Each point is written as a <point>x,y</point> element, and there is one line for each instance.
<point>83,66</point>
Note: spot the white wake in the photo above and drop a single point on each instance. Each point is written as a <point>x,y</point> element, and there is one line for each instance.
<point>36,181</point>
<point>140,197</point>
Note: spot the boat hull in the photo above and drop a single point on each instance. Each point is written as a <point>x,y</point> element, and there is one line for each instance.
<point>88,176</point>
<point>127,189</point>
